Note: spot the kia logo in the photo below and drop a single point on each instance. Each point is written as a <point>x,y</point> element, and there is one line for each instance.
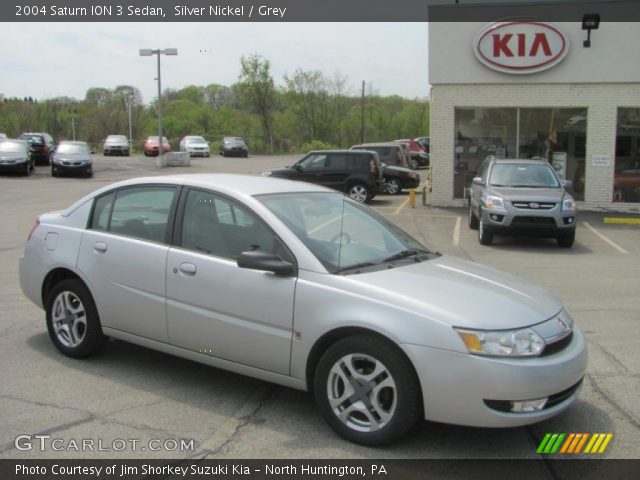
<point>534,205</point>
<point>520,47</point>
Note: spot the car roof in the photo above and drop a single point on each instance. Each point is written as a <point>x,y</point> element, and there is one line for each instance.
<point>349,152</point>
<point>532,161</point>
<point>377,144</point>
<point>72,142</point>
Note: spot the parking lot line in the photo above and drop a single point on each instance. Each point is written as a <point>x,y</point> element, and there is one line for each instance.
<point>456,232</point>
<point>401,206</point>
<point>622,220</point>
<point>604,238</point>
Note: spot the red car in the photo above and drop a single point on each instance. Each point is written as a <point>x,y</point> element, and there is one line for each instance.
<point>151,146</point>
<point>419,158</point>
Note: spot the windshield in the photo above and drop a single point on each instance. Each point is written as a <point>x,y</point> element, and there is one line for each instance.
<point>345,236</point>
<point>117,138</point>
<point>523,175</point>
<point>196,140</point>
<point>155,139</point>
<point>32,138</point>
<point>12,147</point>
<point>71,148</point>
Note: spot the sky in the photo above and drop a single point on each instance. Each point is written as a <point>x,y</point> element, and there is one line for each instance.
<point>46,60</point>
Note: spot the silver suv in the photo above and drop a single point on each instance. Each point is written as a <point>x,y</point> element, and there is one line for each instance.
<point>510,197</point>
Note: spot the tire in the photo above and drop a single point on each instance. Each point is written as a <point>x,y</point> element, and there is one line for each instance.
<point>396,405</point>
<point>223,154</point>
<point>70,305</point>
<point>473,220</point>
<point>485,237</point>
<point>413,164</point>
<point>359,192</point>
<point>566,240</point>
<point>53,172</point>
<point>246,155</point>
<point>393,186</point>
<point>29,169</point>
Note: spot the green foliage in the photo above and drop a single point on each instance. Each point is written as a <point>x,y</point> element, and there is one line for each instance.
<point>310,111</point>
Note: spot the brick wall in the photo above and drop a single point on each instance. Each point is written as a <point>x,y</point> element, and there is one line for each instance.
<point>601,101</point>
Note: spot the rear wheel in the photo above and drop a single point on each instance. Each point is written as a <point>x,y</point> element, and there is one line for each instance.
<point>367,390</point>
<point>413,164</point>
<point>72,320</point>
<point>359,192</point>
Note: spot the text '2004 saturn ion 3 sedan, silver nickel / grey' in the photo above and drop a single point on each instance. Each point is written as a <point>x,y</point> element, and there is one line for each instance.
<point>299,285</point>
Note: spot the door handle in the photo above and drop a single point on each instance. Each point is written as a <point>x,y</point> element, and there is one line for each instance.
<point>188,268</point>
<point>100,247</point>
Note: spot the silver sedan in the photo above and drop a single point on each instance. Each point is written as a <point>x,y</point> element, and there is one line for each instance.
<point>298,285</point>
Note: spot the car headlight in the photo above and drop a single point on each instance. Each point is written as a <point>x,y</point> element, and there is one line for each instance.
<point>502,343</point>
<point>412,175</point>
<point>266,174</point>
<point>493,202</point>
<point>568,204</point>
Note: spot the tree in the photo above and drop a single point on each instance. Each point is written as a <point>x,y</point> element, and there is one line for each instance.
<point>258,90</point>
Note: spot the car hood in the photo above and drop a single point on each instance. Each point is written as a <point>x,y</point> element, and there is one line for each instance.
<point>396,169</point>
<point>281,171</point>
<point>461,293</point>
<point>12,155</point>
<point>116,142</point>
<point>72,157</point>
<point>531,194</point>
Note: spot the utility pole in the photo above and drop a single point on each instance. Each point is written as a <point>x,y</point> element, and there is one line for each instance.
<point>362,115</point>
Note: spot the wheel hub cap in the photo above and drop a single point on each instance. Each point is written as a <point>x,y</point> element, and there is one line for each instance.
<point>69,319</point>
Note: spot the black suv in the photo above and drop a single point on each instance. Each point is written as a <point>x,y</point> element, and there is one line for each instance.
<point>357,173</point>
<point>41,146</point>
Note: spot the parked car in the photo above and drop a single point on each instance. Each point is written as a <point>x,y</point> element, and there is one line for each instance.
<point>521,197</point>
<point>358,174</point>
<point>195,146</point>
<point>41,146</point>
<point>626,181</point>
<point>72,158</point>
<point>233,147</point>
<point>3,136</point>
<point>343,302</point>
<point>398,178</point>
<point>15,156</point>
<point>116,145</point>
<point>389,153</point>
<point>425,142</point>
<point>152,146</point>
<point>418,157</point>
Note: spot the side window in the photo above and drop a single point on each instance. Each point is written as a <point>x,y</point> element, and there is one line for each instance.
<point>102,212</point>
<point>482,172</point>
<point>313,162</point>
<point>215,225</point>
<point>337,162</point>
<point>142,212</point>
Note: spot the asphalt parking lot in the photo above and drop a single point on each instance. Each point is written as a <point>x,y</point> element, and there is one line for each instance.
<point>129,392</point>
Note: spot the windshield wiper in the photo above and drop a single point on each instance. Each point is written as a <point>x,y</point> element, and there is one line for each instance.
<point>404,254</point>
<point>356,266</point>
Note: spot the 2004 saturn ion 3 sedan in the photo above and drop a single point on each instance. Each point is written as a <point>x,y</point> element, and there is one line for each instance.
<point>298,285</point>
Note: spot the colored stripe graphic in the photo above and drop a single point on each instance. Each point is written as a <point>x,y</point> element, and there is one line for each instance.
<point>573,443</point>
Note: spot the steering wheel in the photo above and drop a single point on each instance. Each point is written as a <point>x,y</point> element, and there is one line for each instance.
<point>347,238</point>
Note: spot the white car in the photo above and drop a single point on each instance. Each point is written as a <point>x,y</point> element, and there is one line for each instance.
<point>299,285</point>
<point>195,146</point>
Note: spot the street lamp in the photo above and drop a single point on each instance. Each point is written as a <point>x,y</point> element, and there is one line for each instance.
<point>147,52</point>
<point>73,113</point>
<point>129,102</point>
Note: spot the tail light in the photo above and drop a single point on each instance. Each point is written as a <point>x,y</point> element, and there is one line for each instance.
<point>373,168</point>
<point>33,228</point>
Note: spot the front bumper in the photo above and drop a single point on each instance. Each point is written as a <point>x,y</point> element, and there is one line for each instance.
<point>198,153</point>
<point>81,169</point>
<point>13,166</point>
<point>235,152</point>
<point>512,221</point>
<point>115,149</point>
<point>455,385</point>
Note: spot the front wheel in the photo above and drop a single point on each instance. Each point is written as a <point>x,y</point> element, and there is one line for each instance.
<point>485,237</point>
<point>72,320</point>
<point>367,390</point>
<point>473,220</point>
<point>359,192</point>
<point>393,186</point>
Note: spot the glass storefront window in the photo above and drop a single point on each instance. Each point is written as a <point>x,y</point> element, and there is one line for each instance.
<point>626,179</point>
<point>556,134</point>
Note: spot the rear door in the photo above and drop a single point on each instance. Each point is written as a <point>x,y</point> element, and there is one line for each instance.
<point>123,256</point>
<point>213,306</point>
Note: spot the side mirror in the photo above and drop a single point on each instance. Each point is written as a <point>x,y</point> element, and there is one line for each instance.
<point>567,184</point>
<point>477,181</point>
<point>267,262</point>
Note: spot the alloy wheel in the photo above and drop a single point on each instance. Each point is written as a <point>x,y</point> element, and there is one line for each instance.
<point>69,319</point>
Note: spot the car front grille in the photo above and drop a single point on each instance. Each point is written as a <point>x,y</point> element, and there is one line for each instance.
<point>533,221</point>
<point>525,205</point>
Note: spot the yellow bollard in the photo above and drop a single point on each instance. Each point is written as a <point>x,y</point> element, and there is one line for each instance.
<point>412,198</point>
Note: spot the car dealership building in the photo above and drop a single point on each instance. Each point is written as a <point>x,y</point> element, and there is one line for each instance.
<point>564,91</point>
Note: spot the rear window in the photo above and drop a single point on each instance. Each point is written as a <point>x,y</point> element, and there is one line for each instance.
<point>33,138</point>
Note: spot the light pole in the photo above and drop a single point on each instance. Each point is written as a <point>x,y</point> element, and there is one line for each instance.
<point>129,101</point>
<point>147,52</point>
<point>73,123</point>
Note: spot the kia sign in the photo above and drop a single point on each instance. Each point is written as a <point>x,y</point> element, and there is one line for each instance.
<point>520,47</point>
